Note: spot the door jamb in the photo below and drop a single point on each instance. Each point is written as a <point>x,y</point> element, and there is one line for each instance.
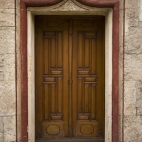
<point>24,68</point>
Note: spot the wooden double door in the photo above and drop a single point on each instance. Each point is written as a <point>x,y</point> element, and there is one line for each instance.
<point>69,78</point>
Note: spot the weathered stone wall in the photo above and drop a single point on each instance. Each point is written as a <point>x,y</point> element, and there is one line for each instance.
<point>130,120</point>
<point>7,72</point>
<point>133,71</point>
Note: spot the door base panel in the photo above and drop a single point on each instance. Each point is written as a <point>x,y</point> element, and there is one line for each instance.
<point>72,140</point>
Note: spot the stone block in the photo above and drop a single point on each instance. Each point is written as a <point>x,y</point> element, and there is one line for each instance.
<point>1,125</point>
<point>1,137</point>
<point>9,129</point>
<point>129,84</point>
<point>132,128</point>
<point>140,15</point>
<point>133,61</point>
<point>7,40</point>
<point>134,46</point>
<point>139,32</point>
<point>1,67</point>
<point>131,74</point>
<point>9,67</point>
<point>131,3</point>
<point>138,86</point>
<point>131,19</point>
<point>6,4</point>
<point>7,17</point>
<point>129,109</point>
<point>129,98</point>
<point>140,4</point>
<point>133,41</point>
<point>7,98</point>
<point>133,67</point>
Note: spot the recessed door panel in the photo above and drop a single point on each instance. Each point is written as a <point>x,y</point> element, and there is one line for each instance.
<point>88,78</point>
<point>69,77</point>
<point>51,78</point>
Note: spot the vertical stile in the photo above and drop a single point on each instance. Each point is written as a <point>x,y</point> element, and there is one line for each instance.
<point>79,100</point>
<point>59,50</point>
<point>46,71</point>
<point>53,100</point>
<point>80,53</point>
<point>60,96</point>
<point>56,66</point>
<point>46,102</point>
<point>87,46</point>
<point>59,65</point>
<point>93,103</point>
<point>93,55</point>
<point>86,99</point>
<point>83,96</point>
<point>53,53</point>
<point>70,77</point>
<point>90,98</point>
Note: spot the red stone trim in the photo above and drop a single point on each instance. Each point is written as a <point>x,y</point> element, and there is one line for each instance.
<point>115,58</point>
<point>115,73</point>
<point>99,3</point>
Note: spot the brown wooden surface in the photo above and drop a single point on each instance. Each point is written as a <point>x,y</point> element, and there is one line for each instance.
<point>69,77</point>
<point>51,78</point>
<point>88,78</point>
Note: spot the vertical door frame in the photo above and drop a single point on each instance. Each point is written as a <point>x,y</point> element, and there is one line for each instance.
<point>114,4</point>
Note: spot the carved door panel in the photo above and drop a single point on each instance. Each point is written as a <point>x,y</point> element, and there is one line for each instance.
<point>69,78</point>
<point>51,78</point>
<point>88,78</point>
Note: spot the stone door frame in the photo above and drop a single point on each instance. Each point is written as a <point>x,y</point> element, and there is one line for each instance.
<point>27,40</point>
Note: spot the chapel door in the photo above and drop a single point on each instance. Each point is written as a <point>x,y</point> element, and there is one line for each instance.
<point>69,78</point>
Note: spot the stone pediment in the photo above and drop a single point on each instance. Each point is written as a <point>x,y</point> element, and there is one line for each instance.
<point>70,5</point>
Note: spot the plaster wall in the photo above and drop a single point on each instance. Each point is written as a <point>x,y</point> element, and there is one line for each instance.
<point>130,71</point>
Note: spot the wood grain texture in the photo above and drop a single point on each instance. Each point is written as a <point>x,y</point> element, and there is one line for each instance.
<point>69,77</point>
<point>51,77</point>
<point>88,77</point>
